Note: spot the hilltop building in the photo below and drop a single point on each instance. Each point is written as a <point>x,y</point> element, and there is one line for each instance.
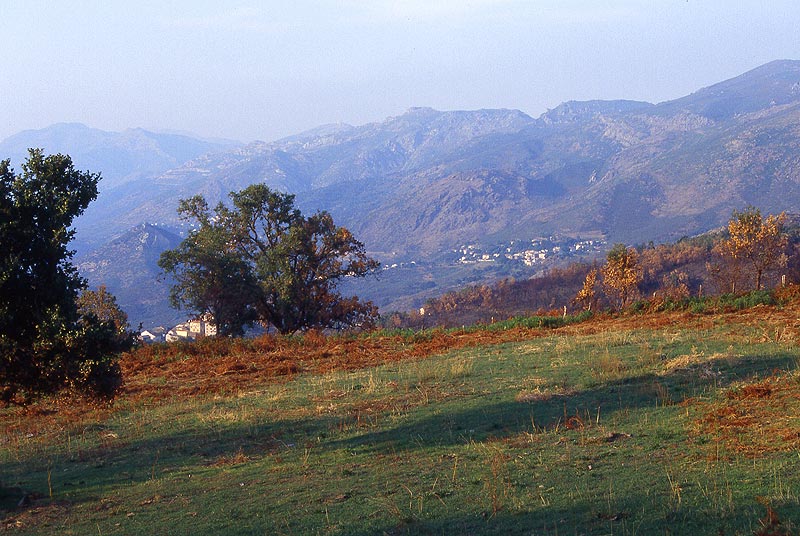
<point>193,329</point>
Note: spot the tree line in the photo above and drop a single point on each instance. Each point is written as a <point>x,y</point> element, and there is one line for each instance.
<point>753,248</point>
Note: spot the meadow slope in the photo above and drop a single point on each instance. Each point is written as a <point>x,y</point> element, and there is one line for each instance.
<point>668,423</point>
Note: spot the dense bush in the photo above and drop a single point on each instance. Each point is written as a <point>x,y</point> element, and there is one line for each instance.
<point>46,342</point>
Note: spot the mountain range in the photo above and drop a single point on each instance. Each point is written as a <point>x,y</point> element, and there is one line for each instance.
<point>120,157</point>
<point>417,186</point>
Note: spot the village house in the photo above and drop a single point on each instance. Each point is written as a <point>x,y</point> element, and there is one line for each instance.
<point>202,326</point>
<point>193,329</point>
<point>153,335</point>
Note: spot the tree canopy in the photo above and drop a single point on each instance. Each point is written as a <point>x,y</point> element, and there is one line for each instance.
<point>45,342</point>
<point>754,246</point>
<point>261,260</point>
<point>622,274</point>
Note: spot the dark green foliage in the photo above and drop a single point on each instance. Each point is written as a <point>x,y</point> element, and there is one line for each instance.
<point>104,332</point>
<point>734,302</point>
<point>45,342</point>
<point>210,275</point>
<point>524,322</point>
<point>712,304</point>
<point>549,321</point>
<point>263,260</point>
<point>297,262</point>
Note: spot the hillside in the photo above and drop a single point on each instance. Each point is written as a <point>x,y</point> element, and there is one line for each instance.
<point>121,158</point>
<point>141,291</point>
<point>670,273</point>
<point>622,425</point>
<point>424,184</point>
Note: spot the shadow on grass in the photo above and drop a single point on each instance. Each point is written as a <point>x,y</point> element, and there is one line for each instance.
<point>583,519</point>
<point>450,422</point>
<point>439,423</point>
<point>9,498</point>
<point>501,415</point>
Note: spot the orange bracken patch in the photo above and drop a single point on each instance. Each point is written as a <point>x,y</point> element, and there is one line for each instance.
<point>217,366</point>
<point>757,418</point>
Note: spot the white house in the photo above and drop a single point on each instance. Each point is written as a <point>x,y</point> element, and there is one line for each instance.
<point>196,328</point>
<point>203,326</point>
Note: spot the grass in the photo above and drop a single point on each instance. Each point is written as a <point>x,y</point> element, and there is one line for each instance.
<point>722,303</point>
<point>647,424</point>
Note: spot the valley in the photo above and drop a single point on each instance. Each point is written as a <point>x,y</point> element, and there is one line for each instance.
<point>400,268</point>
<point>417,186</point>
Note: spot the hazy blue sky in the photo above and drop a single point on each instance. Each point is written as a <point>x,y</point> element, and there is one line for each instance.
<point>261,70</point>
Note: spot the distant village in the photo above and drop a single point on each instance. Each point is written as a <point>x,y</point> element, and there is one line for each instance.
<point>528,252</point>
<point>191,330</point>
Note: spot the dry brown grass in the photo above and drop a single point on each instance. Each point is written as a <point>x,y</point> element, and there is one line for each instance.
<point>756,419</point>
<point>542,394</point>
<point>230,460</point>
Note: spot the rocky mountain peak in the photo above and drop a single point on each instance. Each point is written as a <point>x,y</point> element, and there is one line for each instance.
<point>579,111</point>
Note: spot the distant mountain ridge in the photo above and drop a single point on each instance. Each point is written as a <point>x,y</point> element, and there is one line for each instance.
<point>420,184</point>
<point>121,158</point>
<point>773,84</point>
<point>319,159</point>
<point>128,266</point>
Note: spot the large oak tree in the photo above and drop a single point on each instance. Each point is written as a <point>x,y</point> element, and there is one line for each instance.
<point>261,259</point>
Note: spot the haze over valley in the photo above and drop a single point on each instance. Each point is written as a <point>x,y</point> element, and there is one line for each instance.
<point>424,188</point>
<point>444,267</point>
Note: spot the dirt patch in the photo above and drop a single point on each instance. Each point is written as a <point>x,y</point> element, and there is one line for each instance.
<point>36,515</point>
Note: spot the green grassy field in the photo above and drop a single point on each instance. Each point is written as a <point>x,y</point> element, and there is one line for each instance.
<point>676,427</point>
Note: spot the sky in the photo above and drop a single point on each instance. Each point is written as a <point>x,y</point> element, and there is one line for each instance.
<point>263,70</point>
